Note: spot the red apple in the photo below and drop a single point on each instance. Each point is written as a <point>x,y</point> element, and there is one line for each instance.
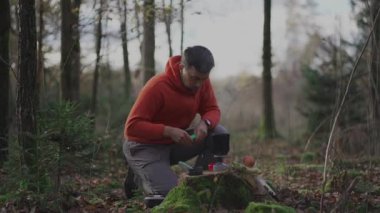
<point>248,161</point>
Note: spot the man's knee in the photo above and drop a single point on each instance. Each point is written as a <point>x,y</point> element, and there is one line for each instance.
<point>157,178</point>
<point>219,129</point>
<point>220,142</point>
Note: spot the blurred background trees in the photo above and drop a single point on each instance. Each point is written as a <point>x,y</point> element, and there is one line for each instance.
<point>54,115</point>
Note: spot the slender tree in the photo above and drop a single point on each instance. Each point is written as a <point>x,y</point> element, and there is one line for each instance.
<point>375,68</point>
<point>124,39</point>
<point>168,17</point>
<point>66,46</point>
<point>40,53</point>
<point>149,40</point>
<point>182,20</point>
<point>4,77</point>
<point>268,125</point>
<point>138,27</point>
<point>27,92</point>
<point>375,71</point>
<point>137,18</point>
<point>98,46</point>
<point>70,50</point>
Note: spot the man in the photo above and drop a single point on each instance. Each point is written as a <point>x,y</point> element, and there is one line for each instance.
<point>155,130</point>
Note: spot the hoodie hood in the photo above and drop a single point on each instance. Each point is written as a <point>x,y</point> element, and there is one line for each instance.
<point>172,70</point>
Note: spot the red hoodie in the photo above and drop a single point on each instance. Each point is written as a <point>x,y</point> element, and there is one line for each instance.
<point>165,101</point>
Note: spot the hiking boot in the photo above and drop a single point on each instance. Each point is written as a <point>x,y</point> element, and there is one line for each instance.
<point>153,200</point>
<point>129,184</point>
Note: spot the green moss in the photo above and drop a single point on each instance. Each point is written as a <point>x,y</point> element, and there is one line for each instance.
<point>233,193</point>
<point>230,190</point>
<point>180,199</point>
<point>268,208</point>
<point>204,186</point>
<point>308,157</point>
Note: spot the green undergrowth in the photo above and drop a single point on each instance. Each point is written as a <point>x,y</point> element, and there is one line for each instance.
<point>295,169</point>
<point>308,157</point>
<point>268,208</point>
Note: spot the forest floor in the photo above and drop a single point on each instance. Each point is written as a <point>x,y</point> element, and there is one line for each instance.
<point>353,185</point>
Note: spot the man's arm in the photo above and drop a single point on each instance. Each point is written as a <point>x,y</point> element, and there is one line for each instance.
<point>139,123</point>
<point>209,109</point>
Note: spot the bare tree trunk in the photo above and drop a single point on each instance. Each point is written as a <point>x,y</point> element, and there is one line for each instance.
<point>40,54</point>
<point>124,39</point>
<point>5,25</point>
<point>27,94</point>
<point>70,50</point>
<point>138,24</point>
<point>66,49</point>
<point>182,4</point>
<point>108,81</point>
<point>168,13</point>
<point>76,52</point>
<point>98,48</point>
<point>138,28</point>
<point>268,126</point>
<point>375,74</point>
<point>149,40</point>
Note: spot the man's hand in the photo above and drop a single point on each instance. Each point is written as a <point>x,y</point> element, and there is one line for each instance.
<point>177,135</point>
<point>201,131</point>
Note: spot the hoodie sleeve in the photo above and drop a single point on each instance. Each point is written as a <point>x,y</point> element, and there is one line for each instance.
<point>140,120</point>
<point>209,108</point>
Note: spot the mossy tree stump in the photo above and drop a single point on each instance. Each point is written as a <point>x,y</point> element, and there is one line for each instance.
<point>233,189</point>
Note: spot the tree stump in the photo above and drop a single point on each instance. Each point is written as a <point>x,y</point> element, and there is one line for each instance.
<point>232,189</point>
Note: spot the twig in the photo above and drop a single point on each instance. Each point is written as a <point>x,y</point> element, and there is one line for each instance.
<point>345,194</point>
<point>10,68</point>
<point>340,108</point>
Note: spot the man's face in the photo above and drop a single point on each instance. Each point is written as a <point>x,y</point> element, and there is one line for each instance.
<point>192,79</point>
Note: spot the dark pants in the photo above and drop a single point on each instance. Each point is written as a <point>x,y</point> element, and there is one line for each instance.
<point>151,162</point>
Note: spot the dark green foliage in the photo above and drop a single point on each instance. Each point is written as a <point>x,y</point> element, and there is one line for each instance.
<point>320,92</point>
<point>334,62</point>
<point>325,84</point>
<point>64,147</point>
<point>72,132</point>
<point>69,137</point>
<point>268,208</point>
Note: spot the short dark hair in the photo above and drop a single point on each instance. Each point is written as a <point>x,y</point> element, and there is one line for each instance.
<point>199,57</point>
